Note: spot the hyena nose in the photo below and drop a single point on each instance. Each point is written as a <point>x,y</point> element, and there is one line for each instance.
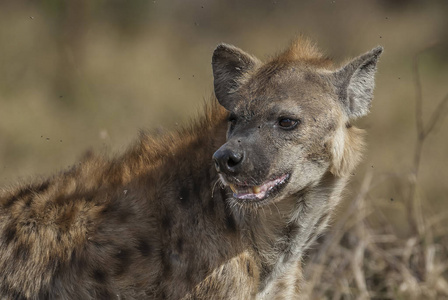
<point>227,160</point>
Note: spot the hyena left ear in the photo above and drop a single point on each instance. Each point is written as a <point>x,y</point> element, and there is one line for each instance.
<point>355,83</point>
<point>230,64</point>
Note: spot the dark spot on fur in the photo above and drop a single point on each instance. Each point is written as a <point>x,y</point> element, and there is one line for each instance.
<point>29,201</point>
<point>65,221</point>
<point>89,197</point>
<point>311,77</point>
<point>249,269</point>
<point>22,251</point>
<point>99,276</point>
<point>281,285</point>
<point>59,200</point>
<point>42,187</point>
<point>123,258</point>
<point>9,233</point>
<point>184,195</point>
<point>143,247</point>
<point>29,225</point>
<point>73,256</point>
<point>78,262</point>
<point>52,264</point>
<point>211,206</point>
<point>291,231</point>
<point>124,215</point>
<point>23,192</point>
<point>166,262</point>
<point>166,222</point>
<point>97,245</point>
<point>264,269</point>
<point>110,208</point>
<point>230,220</point>
<point>348,125</point>
<point>119,213</point>
<point>180,245</point>
<point>321,220</point>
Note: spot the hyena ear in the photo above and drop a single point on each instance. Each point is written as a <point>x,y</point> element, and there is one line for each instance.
<point>355,83</point>
<point>230,64</point>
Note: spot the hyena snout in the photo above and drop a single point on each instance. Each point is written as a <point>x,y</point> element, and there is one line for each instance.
<point>228,159</point>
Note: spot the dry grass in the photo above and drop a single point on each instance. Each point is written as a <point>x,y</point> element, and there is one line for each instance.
<point>365,257</point>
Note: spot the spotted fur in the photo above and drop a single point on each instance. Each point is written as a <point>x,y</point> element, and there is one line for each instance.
<point>157,223</point>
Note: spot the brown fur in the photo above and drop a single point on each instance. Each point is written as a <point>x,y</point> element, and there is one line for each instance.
<point>155,223</point>
<point>304,50</point>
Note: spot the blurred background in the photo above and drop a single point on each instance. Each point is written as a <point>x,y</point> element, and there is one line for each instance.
<point>85,74</point>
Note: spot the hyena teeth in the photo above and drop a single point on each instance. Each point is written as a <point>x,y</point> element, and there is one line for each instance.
<point>232,187</point>
<point>256,189</point>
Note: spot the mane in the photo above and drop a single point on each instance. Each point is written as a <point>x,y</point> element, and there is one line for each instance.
<point>304,50</point>
<point>160,144</point>
<point>153,148</point>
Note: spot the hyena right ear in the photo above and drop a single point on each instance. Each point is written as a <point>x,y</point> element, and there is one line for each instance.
<point>230,64</point>
<point>355,82</point>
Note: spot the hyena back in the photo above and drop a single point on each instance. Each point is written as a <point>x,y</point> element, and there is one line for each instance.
<point>166,221</point>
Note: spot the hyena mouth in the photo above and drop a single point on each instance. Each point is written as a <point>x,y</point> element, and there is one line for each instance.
<point>258,192</point>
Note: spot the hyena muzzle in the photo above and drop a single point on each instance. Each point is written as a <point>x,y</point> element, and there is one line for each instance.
<point>222,209</point>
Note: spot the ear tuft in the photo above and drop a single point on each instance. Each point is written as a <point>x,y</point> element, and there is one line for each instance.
<point>230,64</point>
<point>355,83</point>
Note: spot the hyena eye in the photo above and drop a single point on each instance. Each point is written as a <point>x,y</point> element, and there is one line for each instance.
<point>287,123</point>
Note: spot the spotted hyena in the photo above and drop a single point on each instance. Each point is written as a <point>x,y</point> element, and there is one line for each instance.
<point>222,209</point>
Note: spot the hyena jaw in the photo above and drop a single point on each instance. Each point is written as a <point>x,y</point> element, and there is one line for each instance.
<point>154,223</point>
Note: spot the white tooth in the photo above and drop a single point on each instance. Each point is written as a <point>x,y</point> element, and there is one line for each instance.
<point>232,187</point>
<point>256,189</point>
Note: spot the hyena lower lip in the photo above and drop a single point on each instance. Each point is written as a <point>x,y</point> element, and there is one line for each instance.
<point>258,192</point>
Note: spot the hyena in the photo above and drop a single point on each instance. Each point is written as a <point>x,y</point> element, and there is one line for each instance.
<point>221,209</point>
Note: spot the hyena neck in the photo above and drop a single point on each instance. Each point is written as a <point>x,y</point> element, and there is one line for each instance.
<point>282,232</point>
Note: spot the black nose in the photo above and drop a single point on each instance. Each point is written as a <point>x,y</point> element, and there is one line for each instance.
<point>228,160</point>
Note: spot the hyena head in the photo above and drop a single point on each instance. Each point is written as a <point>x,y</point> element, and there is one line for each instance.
<point>289,119</point>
